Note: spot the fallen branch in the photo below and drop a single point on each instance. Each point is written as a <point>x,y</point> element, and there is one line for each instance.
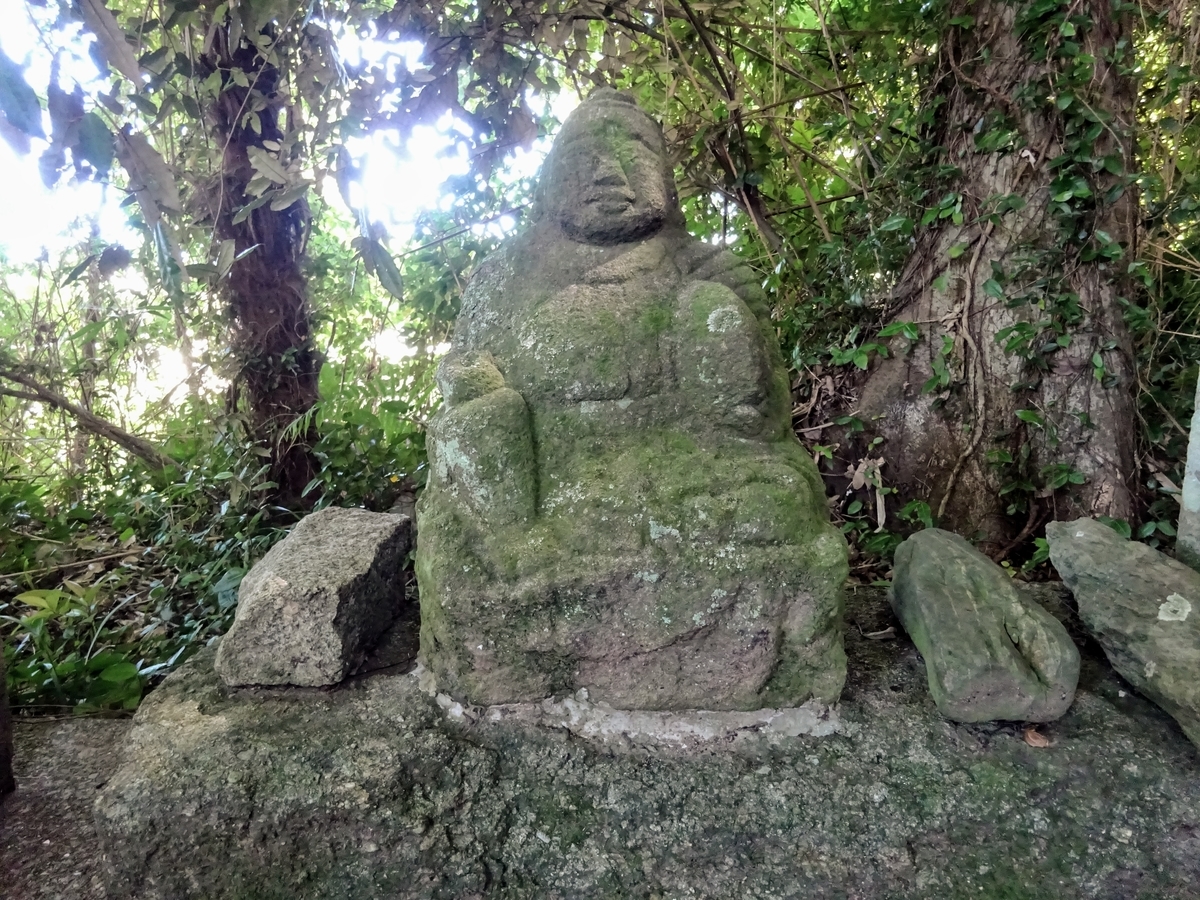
<point>87,420</point>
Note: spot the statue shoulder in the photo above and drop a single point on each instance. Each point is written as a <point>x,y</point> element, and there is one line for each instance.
<point>700,261</point>
<point>484,297</point>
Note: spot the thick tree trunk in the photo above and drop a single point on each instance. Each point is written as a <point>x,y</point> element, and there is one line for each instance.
<point>265,289</point>
<point>1016,405</point>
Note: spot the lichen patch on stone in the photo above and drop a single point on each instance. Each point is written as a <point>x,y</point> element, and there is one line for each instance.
<point>1175,608</point>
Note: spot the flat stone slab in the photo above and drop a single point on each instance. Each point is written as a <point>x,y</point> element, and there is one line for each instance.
<point>1142,606</point>
<point>373,790</point>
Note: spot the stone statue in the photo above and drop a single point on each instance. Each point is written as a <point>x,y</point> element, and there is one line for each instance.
<point>616,500</point>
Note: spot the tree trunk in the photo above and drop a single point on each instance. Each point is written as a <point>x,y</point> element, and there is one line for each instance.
<point>266,291</point>
<point>1016,404</point>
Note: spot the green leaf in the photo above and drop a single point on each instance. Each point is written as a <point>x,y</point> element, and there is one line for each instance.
<point>286,198</point>
<point>266,165</point>
<point>379,260</point>
<point>992,288</point>
<point>897,222</point>
<point>908,329</point>
<point>74,274</point>
<point>941,283</point>
<point>119,672</point>
<point>144,105</point>
<point>164,255</point>
<point>96,144</point>
<point>244,213</point>
<point>957,250</point>
<point>18,101</point>
<point>226,256</point>
<point>1030,416</point>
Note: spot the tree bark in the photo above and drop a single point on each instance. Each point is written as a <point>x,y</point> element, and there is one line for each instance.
<point>268,303</point>
<point>1023,375</point>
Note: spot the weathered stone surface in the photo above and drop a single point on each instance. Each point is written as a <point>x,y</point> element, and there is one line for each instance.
<point>370,790</point>
<point>311,609</point>
<point>1143,608</point>
<point>616,501</point>
<point>990,653</point>
<point>7,785</point>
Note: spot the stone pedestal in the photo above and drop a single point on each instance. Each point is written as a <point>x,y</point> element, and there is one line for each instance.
<point>376,790</point>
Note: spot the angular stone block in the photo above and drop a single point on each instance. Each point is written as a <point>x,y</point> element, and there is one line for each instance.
<point>311,609</point>
<point>1142,606</point>
<point>990,653</point>
<point>616,501</point>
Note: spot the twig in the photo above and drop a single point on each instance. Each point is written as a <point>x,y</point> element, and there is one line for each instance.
<point>70,565</point>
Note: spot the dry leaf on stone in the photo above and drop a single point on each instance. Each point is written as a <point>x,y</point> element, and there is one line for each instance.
<point>1035,738</point>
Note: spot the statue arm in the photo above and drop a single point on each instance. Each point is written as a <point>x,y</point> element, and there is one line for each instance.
<point>729,343</point>
<point>481,441</point>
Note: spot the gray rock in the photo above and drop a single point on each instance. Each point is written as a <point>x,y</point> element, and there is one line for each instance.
<point>616,500</point>
<point>372,790</point>
<point>1143,608</point>
<point>990,653</point>
<point>311,609</point>
<point>7,784</point>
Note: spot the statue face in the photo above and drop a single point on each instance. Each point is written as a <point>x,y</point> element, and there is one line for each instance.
<point>606,180</point>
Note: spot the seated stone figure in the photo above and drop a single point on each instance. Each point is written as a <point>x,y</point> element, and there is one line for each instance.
<point>616,500</point>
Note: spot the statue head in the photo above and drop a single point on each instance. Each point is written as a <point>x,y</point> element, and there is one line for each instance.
<point>606,180</point>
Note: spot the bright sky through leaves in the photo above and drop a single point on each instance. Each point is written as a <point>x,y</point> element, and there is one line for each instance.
<point>398,183</point>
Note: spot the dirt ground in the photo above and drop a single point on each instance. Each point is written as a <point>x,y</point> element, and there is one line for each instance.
<point>48,848</point>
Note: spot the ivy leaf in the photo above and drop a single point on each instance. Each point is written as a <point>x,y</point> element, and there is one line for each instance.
<point>286,198</point>
<point>148,171</point>
<point>226,257</point>
<point>17,99</point>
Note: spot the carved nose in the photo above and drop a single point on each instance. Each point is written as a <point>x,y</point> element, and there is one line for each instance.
<point>609,174</point>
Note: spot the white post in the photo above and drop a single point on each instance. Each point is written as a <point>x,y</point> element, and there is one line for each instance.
<point>1187,544</point>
